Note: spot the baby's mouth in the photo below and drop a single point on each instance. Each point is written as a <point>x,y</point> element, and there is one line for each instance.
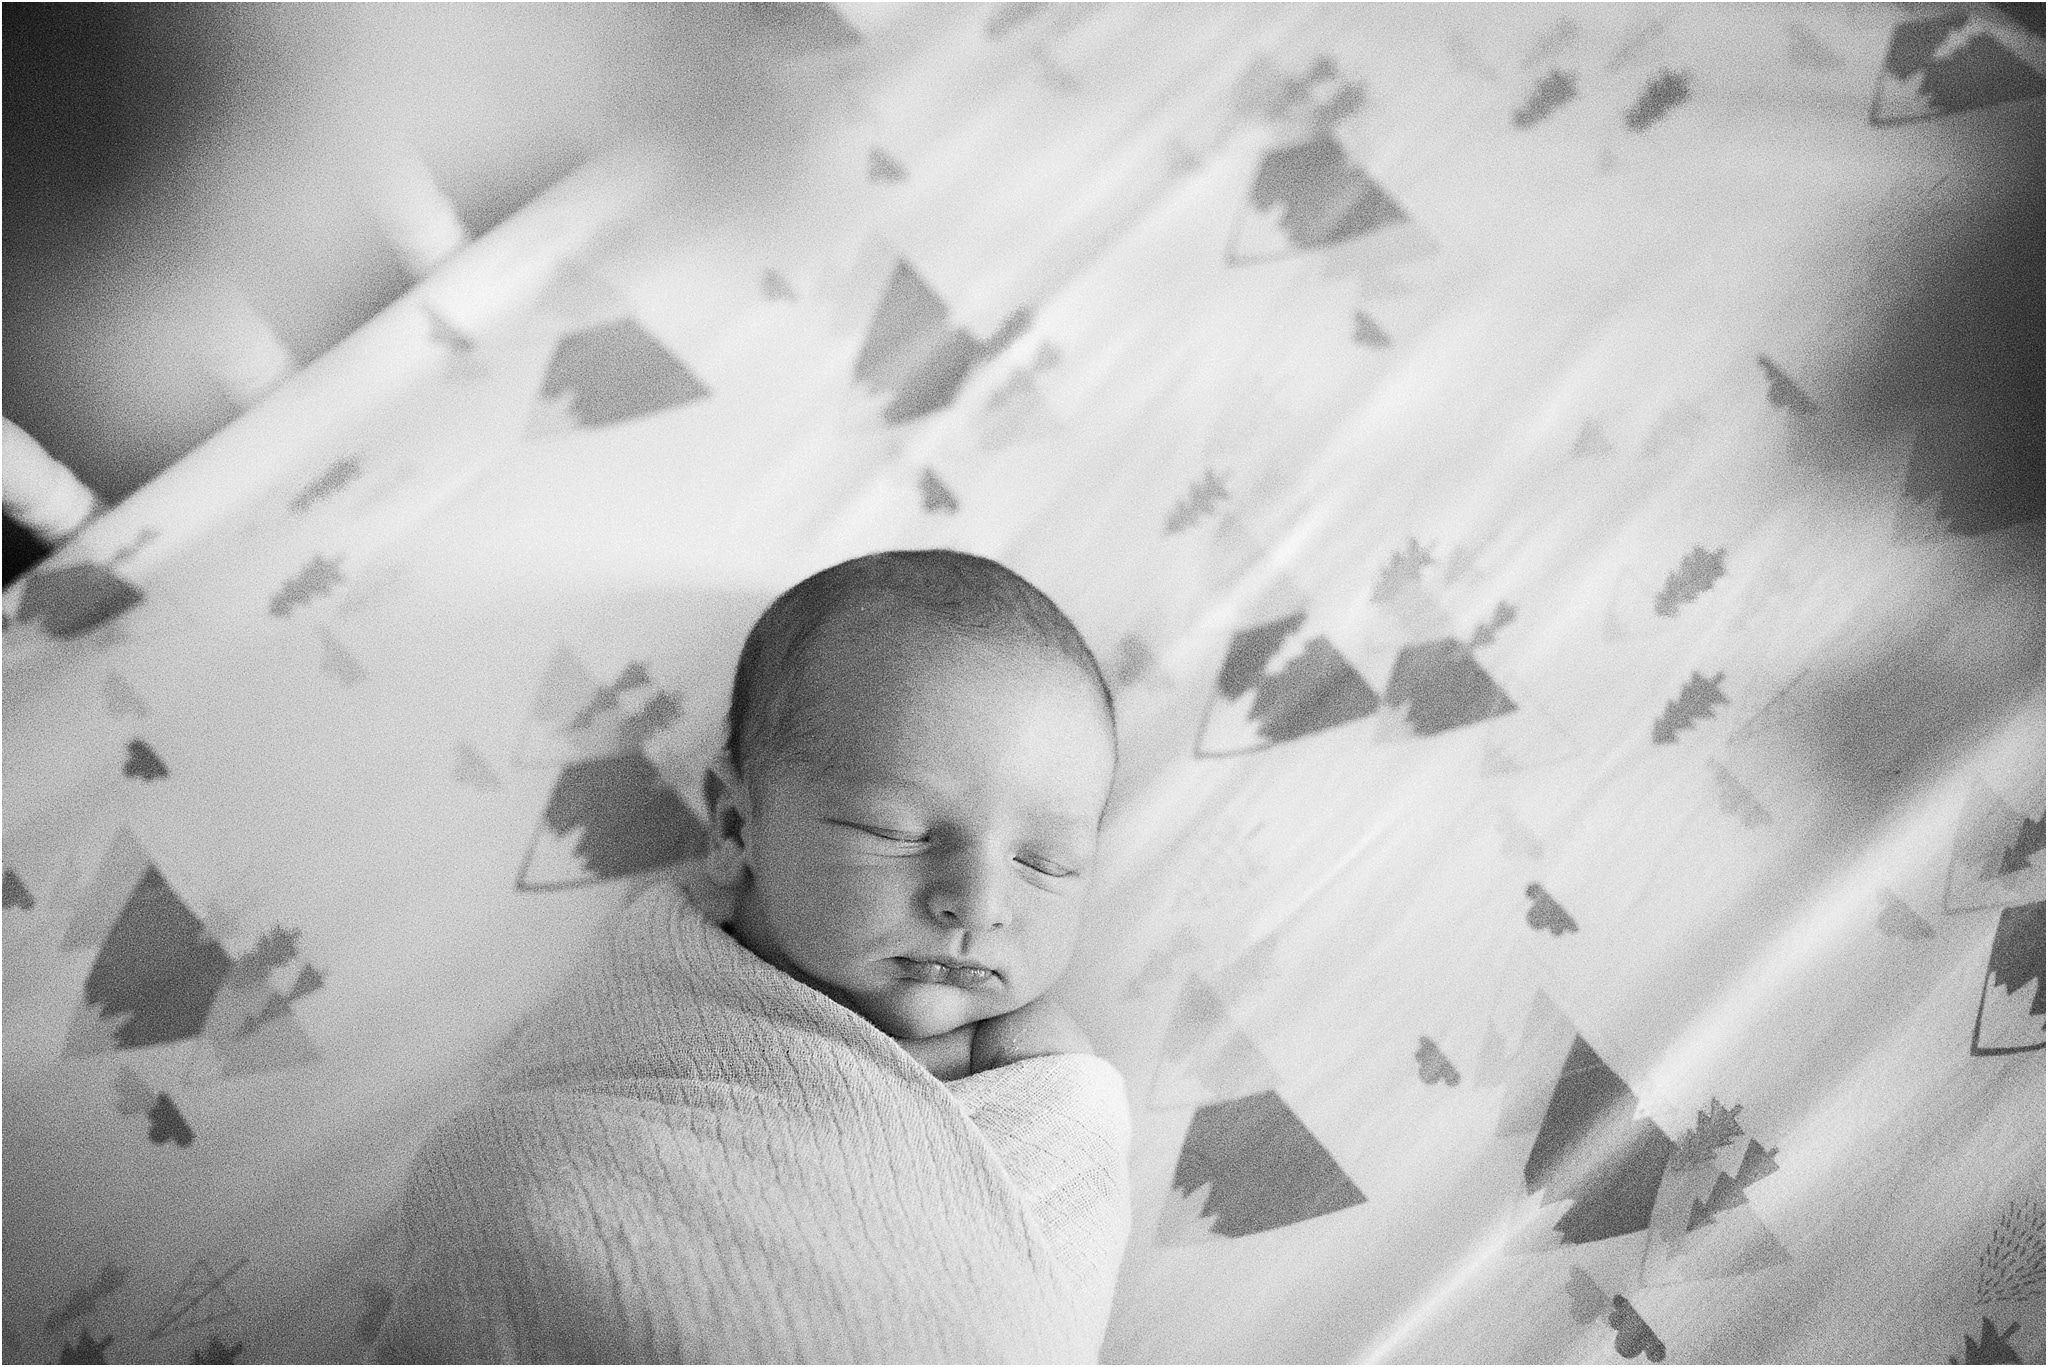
<point>951,972</point>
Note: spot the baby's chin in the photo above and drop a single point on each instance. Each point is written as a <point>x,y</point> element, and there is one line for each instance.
<point>926,1010</point>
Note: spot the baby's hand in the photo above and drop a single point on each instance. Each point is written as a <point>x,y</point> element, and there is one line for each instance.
<point>1031,1031</point>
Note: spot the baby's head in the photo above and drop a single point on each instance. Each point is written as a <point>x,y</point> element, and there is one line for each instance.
<point>919,752</point>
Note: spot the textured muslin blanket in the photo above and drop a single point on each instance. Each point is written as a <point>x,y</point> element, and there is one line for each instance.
<point>692,1156</point>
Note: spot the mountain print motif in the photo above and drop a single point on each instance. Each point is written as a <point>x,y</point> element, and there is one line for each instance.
<point>607,374</point>
<point>1996,860</point>
<point>1971,472</point>
<point>609,817</point>
<point>2010,1009</point>
<point>73,599</point>
<point>1248,1166</point>
<point>915,355</point>
<point>1949,64</point>
<point>154,979</point>
<point>1205,1057</point>
<point>1306,197</point>
<point>1703,1226</point>
<point>1595,1152</point>
<point>1280,683</point>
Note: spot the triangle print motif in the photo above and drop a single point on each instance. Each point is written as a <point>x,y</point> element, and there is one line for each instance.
<point>609,817</point>
<point>154,979</point>
<point>2010,1015</point>
<point>1997,856</point>
<point>1280,683</point>
<point>1247,1166</point>
<point>1949,64</point>
<point>915,355</point>
<point>73,599</point>
<point>1306,197</point>
<point>1205,1058</point>
<point>607,374</point>
<point>1594,1151</point>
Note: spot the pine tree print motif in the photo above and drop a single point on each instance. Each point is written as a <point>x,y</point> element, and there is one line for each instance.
<point>1703,1226</point>
<point>1783,393</point>
<point>1991,1344</point>
<point>1552,93</point>
<point>1695,702</point>
<point>201,1299</point>
<point>1695,574</point>
<point>1665,92</point>
<point>1402,570</point>
<point>86,1299</point>
<point>1207,494</point>
<point>318,577</point>
<point>2013,1263</point>
<point>251,1027</point>
<point>335,477</point>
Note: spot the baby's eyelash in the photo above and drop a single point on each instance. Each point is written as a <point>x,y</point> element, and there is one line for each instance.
<point>880,833</point>
<point>1046,867</point>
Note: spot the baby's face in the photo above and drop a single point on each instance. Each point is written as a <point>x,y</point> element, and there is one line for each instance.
<point>926,865</point>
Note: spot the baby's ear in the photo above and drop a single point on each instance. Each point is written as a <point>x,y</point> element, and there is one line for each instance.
<point>725,802</point>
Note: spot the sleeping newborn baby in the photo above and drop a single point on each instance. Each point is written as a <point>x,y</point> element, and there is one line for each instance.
<point>920,750</point>
<point>808,1101</point>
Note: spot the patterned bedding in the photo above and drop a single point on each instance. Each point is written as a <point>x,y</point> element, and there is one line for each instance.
<point>1558,491</point>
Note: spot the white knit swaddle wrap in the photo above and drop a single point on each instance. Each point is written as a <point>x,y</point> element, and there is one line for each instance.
<point>693,1157</point>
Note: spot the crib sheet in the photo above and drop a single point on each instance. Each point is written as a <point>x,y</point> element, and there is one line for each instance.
<point>1558,493</point>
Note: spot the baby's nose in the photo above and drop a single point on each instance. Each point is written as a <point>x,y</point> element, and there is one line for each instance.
<point>965,891</point>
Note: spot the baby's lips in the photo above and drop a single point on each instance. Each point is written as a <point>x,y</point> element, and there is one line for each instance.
<point>925,971</point>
